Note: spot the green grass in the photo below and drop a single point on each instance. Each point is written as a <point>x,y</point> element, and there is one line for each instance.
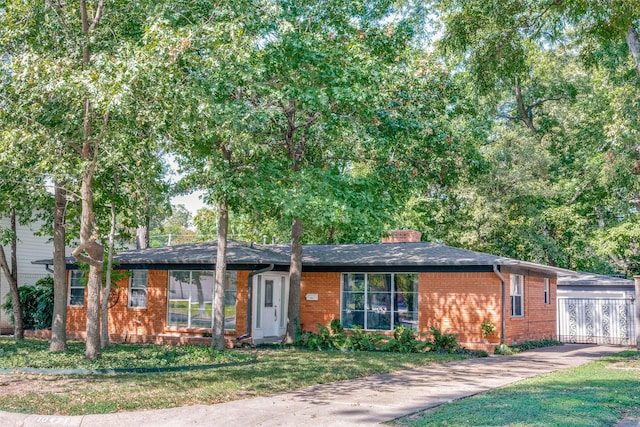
<point>596,394</point>
<point>33,353</point>
<point>275,370</point>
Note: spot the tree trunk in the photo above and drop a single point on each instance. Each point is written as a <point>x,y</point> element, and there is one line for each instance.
<point>11,273</point>
<point>94,257</point>
<point>59,323</point>
<point>293,312</point>
<point>142,237</point>
<point>104,341</point>
<point>221,277</point>
<point>633,41</point>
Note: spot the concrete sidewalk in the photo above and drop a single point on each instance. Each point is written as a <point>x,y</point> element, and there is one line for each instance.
<point>362,401</point>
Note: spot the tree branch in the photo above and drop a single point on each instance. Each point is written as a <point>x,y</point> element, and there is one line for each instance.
<point>4,264</point>
<point>524,116</point>
<point>97,16</point>
<point>77,253</point>
<point>542,101</point>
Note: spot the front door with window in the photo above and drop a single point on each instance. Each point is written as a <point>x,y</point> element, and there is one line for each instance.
<point>270,296</point>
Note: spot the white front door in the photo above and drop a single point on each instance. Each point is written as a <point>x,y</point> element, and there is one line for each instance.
<point>270,305</point>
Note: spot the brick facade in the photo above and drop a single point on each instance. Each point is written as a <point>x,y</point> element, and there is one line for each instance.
<point>453,302</point>
<point>327,287</point>
<point>539,320</point>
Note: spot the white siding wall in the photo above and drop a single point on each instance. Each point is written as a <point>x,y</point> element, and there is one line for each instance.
<point>30,248</point>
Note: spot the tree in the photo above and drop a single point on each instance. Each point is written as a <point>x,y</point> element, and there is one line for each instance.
<point>326,69</point>
<point>10,271</point>
<point>80,82</point>
<point>22,193</point>
<point>555,82</point>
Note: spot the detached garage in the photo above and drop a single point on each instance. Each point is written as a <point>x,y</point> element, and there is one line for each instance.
<point>596,309</point>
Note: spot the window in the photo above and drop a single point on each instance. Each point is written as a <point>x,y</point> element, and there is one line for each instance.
<point>268,293</point>
<point>517,292</point>
<point>138,289</point>
<point>547,299</point>
<point>379,301</point>
<point>76,288</point>
<point>191,299</point>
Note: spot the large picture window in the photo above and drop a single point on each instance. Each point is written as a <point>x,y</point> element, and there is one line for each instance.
<point>379,301</point>
<point>517,295</point>
<point>76,288</point>
<point>191,299</point>
<point>138,289</point>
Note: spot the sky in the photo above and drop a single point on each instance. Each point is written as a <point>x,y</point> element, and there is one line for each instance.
<point>190,201</point>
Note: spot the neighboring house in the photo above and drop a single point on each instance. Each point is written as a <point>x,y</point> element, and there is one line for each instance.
<point>29,247</point>
<point>376,287</point>
<point>595,308</point>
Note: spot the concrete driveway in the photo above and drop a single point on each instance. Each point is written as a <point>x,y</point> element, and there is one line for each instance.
<point>363,401</point>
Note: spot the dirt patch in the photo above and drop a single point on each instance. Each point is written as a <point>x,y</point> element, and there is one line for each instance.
<point>21,384</point>
<point>631,364</point>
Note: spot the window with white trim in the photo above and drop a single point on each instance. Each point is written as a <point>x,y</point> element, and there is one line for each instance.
<point>379,301</point>
<point>138,282</point>
<point>547,299</point>
<point>76,288</point>
<point>517,295</point>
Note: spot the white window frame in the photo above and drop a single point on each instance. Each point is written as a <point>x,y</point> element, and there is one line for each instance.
<point>547,295</point>
<point>74,284</point>
<point>516,293</point>
<point>138,285</point>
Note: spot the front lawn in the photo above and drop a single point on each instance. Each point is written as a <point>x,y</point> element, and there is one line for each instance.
<point>250,373</point>
<point>596,394</point>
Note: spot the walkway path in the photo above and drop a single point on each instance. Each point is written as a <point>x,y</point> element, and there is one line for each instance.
<point>363,401</point>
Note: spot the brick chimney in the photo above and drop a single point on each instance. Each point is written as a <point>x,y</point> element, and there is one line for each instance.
<point>402,236</point>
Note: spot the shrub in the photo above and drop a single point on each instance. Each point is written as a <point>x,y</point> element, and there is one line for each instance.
<point>442,342</point>
<point>404,341</point>
<point>359,340</point>
<point>505,350</point>
<point>36,302</point>
<point>527,345</point>
<point>332,336</point>
<point>487,327</point>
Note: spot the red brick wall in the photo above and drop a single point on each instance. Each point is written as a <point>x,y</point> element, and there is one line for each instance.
<point>131,324</point>
<point>241,303</point>
<point>458,303</point>
<point>539,320</point>
<point>327,307</point>
<point>453,302</point>
<point>146,324</point>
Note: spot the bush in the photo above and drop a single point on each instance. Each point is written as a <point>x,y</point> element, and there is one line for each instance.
<point>36,302</point>
<point>527,345</point>
<point>446,343</point>
<point>327,337</point>
<point>404,341</point>
<point>360,340</point>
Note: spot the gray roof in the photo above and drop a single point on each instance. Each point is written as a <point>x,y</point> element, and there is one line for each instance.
<point>578,279</point>
<point>205,253</point>
<point>395,254</point>
<point>388,256</point>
